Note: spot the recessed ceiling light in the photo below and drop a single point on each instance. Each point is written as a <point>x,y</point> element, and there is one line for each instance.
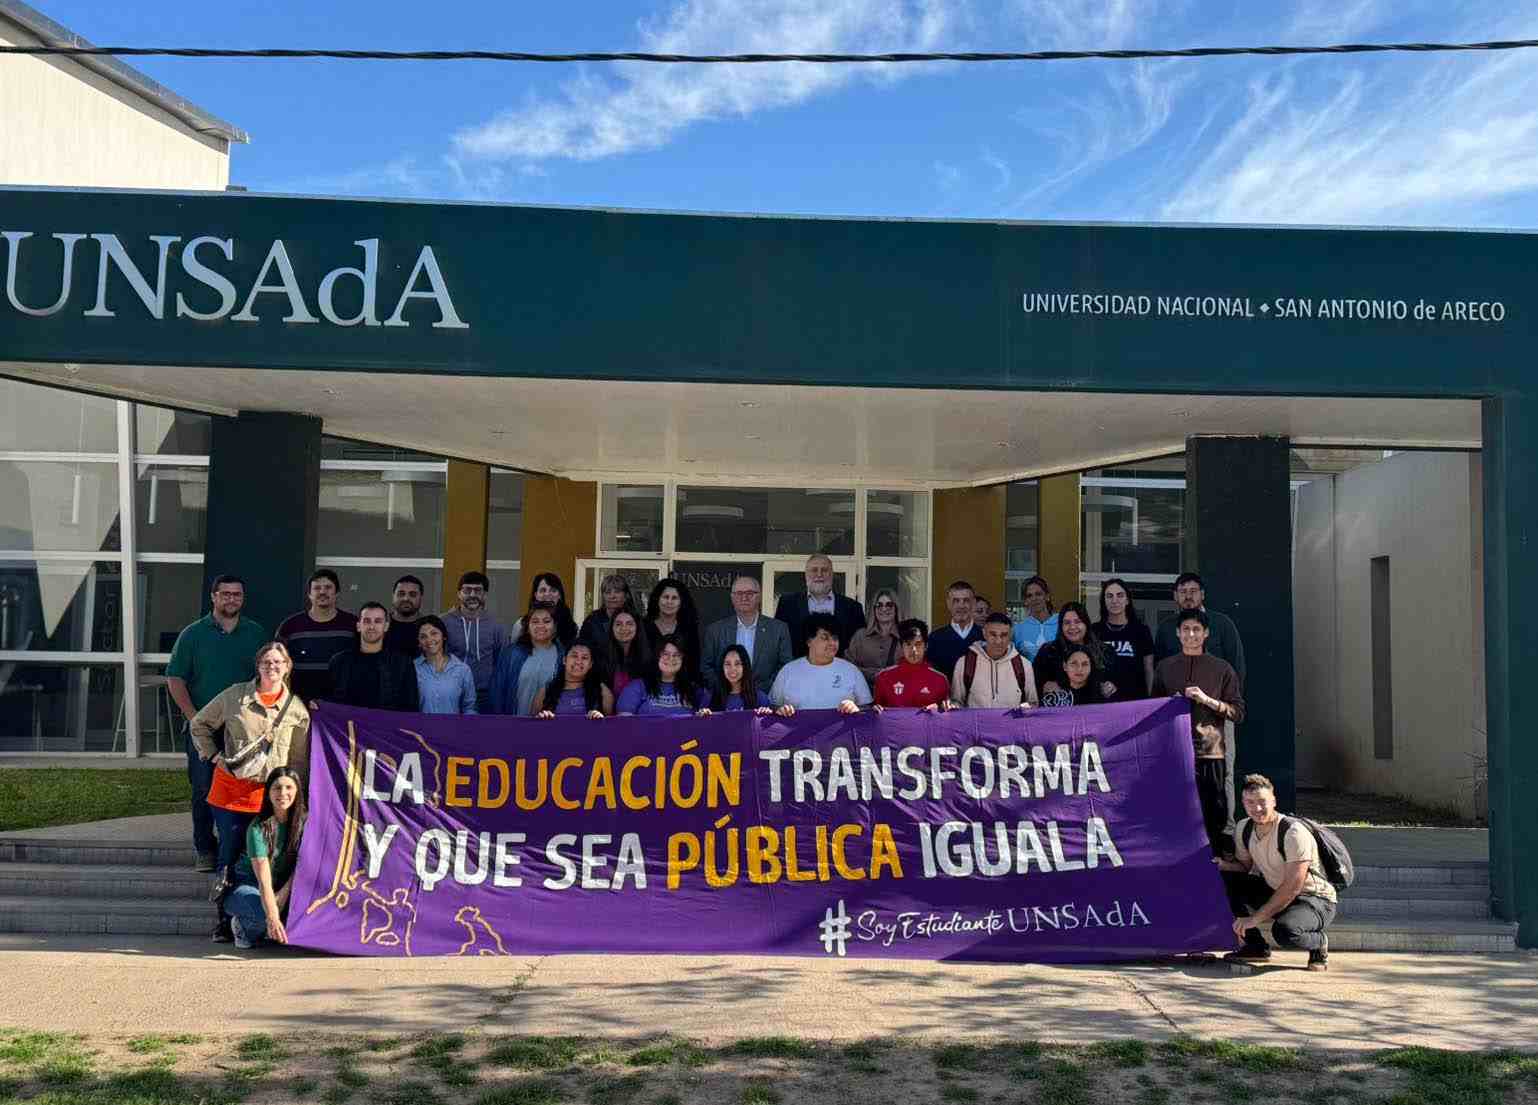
<point>746,403</point>
<point>1001,445</point>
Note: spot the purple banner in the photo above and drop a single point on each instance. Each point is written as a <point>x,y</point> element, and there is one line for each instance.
<point>1061,835</point>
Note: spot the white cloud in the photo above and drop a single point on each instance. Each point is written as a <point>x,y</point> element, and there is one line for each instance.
<point>642,106</point>
<point>1372,143</point>
<point>1085,24</point>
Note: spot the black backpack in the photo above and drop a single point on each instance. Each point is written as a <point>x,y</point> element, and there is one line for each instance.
<point>1334,856</point>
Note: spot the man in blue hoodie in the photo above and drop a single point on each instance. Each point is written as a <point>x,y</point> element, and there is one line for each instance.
<point>474,635</point>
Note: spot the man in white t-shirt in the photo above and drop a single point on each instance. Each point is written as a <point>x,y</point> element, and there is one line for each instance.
<point>1276,876</point>
<point>820,680</point>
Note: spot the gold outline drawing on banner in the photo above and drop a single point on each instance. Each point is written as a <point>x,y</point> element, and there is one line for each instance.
<point>347,880</point>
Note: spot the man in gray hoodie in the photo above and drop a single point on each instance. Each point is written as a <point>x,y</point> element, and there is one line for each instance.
<point>991,674</point>
<point>474,635</point>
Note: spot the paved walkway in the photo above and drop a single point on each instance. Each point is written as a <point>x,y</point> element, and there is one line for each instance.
<point>131,985</point>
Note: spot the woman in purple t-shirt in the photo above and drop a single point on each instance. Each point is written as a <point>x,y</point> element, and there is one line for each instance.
<point>577,689</point>
<point>668,688</point>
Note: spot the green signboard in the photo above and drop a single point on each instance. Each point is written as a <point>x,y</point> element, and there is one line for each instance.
<point>333,284</point>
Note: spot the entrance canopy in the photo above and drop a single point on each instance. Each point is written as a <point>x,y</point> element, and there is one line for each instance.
<point>585,429</point>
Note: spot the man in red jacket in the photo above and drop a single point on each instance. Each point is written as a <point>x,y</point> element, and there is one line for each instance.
<point>910,681</point>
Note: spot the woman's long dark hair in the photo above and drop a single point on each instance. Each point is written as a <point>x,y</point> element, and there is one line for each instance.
<point>592,682</point>
<point>686,682</point>
<point>297,814</point>
<point>1133,617</point>
<point>635,662</point>
<point>723,689</point>
<point>565,624</point>
<point>526,639</point>
<point>688,631</point>
<point>1078,608</point>
<point>1046,589</point>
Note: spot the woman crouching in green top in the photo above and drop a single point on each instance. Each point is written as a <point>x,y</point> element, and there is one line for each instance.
<point>263,876</point>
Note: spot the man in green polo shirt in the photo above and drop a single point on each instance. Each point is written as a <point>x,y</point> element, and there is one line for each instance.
<point>211,654</point>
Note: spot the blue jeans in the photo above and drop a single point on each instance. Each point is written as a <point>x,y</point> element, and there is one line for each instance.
<point>232,835</point>
<point>245,902</point>
<point>200,773</point>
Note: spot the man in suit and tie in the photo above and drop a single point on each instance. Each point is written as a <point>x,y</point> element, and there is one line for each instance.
<point>818,598</point>
<point>767,640</point>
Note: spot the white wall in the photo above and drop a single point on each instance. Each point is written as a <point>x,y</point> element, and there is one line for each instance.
<point>1422,511</point>
<point>63,125</point>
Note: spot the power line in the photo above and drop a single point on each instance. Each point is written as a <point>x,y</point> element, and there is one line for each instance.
<point>767,59</point>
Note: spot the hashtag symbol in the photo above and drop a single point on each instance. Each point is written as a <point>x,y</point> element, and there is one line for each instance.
<point>834,929</point>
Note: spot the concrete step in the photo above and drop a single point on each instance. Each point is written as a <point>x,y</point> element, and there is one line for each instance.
<point>107,916</point>
<point>99,882</point>
<point>1373,907</point>
<point>1444,874</point>
<point>1442,935</point>
<point>17,849</point>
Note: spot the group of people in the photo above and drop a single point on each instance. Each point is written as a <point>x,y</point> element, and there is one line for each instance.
<point>248,729</point>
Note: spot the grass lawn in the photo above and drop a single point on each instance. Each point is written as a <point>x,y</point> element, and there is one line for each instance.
<point>485,1069</point>
<point>34,798</point>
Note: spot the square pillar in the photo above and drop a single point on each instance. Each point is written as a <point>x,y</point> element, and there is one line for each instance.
<point>968,544</point>
<point>264,509</point>
<point>1510,436</point>
<point>466,522</point>
<point>1238,535</point>
<point>1059,514</point>
<point>560,526</point>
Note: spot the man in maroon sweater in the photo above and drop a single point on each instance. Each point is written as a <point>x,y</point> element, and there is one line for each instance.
<point>1213,688</point>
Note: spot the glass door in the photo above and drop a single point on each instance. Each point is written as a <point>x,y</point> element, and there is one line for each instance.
<point>787,577</point>
<point>642,575</point>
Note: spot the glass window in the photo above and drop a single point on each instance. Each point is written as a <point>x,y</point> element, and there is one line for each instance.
<point>61,606</point>
<point>896,523</point>
<point>507,599</point>
<point>911,585</point>
<point>34,418</point>
<point>631,519</point>
<point>61,707</point>
<point>172,507</point>
<point>340,448</point>
<point>160,431</point>
<point>159,719</point>
<point>770,520</point>
<point>59,506</point>
<point>710,585</point>
<point>1021,531</point>
<point>381,514</point>
<point>171,596</point>
<point>1133,529</point>
<point>504,530</point>
<point>376,583</point>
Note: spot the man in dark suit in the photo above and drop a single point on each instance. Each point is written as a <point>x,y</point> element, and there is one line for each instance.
<point>818,598</point>
<point>766,639</point>
<point>949,643</point>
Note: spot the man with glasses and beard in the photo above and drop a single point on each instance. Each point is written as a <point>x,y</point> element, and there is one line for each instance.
<point>209,655</point>
<point>474,635</point>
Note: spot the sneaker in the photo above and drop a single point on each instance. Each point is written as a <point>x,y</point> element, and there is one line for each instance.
<point>237,930</point>
<point>1250,953</point>
<point>204,862</point>
<point>221,933</point>
<point>1319,958</point>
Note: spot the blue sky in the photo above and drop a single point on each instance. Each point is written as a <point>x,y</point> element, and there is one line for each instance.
<point>1399,140</point>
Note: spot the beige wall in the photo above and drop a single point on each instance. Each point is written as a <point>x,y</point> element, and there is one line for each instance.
<point>1424,512</point>
<point>968,544</point>
<point>63,125</point>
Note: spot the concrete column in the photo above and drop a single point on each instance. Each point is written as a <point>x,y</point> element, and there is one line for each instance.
<point>264,508</point>
<point>1058,513</point>
<point>1511,657</point>
<point>466,515</point>
<point>1238,535</point>
<point>968,544</point>
<point>560,523</point>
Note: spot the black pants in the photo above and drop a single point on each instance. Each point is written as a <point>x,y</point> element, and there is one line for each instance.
<point>1301,925</point>
<point>1211,790</point>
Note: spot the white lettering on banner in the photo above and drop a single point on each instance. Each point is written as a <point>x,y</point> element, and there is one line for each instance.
<point>872,926</point>
<point>191,270</point>
<point>1226,305</point>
